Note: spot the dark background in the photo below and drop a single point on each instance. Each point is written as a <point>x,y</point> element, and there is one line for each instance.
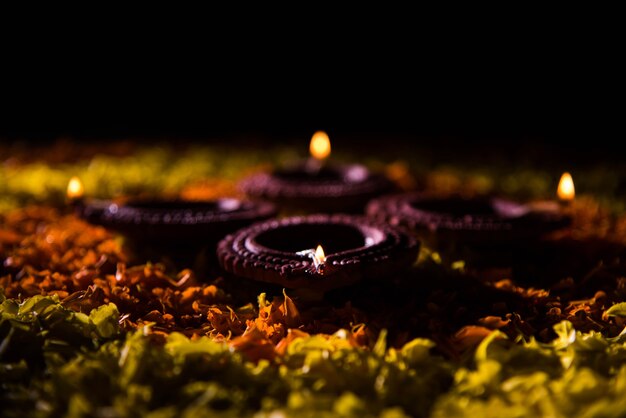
<point>519,109</point>
<point>464,95</point>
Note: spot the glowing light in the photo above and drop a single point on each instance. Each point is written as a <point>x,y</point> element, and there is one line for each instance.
<point>566,190</point>
<point>320,145</point>
<point>75,189</point>
<point>320,257</point>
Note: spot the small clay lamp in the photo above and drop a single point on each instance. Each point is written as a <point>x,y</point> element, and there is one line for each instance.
<point>576,252</point>
<point>317,186</point>
<point>169,227</point>
<point>318,252</point>
<point>478,228</point>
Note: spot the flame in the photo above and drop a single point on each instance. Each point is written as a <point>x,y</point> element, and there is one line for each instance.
<point>320,257</point>
<point>75,189</point>
<point>566,190</point>
<point>320,145</point>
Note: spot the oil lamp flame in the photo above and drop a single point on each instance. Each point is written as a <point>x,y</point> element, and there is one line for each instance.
<point>320,145</point>
<point>320,257</point>
<point>319,260</point>
<point>565,190</point>
<point>75,189</point>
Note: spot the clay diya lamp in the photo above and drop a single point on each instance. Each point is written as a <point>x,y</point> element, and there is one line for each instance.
<point>480,230</point>
<point>178,228</point>
<point>581,252</point>
<point>317,186</point>
<point>318,252</point>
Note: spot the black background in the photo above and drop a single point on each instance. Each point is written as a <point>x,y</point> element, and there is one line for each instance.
<point>468,93</point>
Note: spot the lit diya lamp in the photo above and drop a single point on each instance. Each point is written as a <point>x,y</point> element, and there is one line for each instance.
<point>576,252</point>
<point>318,252</point>
<point>169,225</point>
<point>316,186</point>
<point>90,210</point>
<point>471,228</point>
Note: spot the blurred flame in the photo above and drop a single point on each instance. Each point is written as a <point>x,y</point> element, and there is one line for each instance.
<point>320,257</point>
<point>320,145</point>
<point>75,189</point>
<point>565,190</point>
